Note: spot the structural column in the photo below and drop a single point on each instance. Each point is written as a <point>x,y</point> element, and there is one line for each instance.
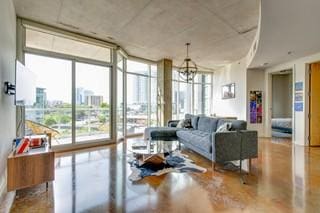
<point>164,91</point>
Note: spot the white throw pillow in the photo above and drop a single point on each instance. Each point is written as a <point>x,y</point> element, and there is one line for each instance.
<point>225,127</point>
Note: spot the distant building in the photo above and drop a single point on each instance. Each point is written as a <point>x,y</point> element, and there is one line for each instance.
<point>54,103</point>
<point>37,114</point>
<point>81,95</point>
<point>94,100</point>
<point>41,98</point>
<point>142,89</point>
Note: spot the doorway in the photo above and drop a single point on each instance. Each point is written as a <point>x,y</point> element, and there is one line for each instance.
<point>314,104</point>
<point>281,120</point>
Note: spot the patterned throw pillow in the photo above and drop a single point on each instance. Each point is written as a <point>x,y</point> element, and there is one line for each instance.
<point>225,127</point>
<point>187,123</point>
<point>184,123</point>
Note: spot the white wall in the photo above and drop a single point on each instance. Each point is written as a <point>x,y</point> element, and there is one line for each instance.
<point>7,73</point>
<point>256,82</point>
<point>299,66</point>
<point>233,73</point>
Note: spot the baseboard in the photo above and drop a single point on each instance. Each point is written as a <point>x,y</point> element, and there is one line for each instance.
<point>6,198</point>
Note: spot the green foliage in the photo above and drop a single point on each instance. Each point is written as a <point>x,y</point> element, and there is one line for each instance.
<point>64,119</point>
<point>64,105</point>
<point>50,120</point>
<point>102,119</point>
<point>104,105</point>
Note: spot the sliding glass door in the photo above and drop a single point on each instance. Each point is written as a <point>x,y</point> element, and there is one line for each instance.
<point>92,120</point>
<point>52,111</point>
<point>87,118</point>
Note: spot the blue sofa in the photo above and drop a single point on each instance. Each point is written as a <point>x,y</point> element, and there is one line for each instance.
<point>219,147</point>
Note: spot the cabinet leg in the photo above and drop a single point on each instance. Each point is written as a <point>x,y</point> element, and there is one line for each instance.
<point>47,186</point>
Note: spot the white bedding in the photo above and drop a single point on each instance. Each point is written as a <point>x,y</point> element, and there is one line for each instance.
<point>281,123</point>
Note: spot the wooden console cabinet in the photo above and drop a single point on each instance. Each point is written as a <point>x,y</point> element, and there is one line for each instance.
<point>30,169</point>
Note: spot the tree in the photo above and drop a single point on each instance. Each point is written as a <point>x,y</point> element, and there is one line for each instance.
<point>104,105</point>
<point>49,120</point>
<point>65,119</point>
<point>102,119</point>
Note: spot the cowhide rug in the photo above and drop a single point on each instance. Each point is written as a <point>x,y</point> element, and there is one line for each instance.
<point>174,162</point>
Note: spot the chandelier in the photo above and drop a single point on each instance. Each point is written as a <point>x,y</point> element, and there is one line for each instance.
<point>188,68</point>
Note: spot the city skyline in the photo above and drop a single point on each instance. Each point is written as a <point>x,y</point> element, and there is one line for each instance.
<point>55,76</point>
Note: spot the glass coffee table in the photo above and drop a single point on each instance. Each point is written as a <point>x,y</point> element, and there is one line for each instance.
<point>152,151</point>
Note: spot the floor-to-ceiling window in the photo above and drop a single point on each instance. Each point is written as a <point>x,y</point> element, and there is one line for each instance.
<point>202,94</point>
<point>53,106</point>
<point>141,96</point>
<point>153,97</point>
<point>92,119</point>
<point>181,97</point>
<point>193,97</point>
<point>120,95</point>
<point>73,87</point>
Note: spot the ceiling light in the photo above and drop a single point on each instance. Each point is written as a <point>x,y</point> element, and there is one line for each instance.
<point>188,68</point>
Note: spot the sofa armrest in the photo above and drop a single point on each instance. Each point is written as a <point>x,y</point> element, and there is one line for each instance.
<point>249,147</point>
<point>173,123</point>
<point>226,146</point>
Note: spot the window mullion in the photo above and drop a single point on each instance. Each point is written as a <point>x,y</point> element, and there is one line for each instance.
<point>73,103</point>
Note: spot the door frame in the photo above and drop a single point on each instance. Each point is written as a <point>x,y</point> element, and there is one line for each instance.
<point>308,101</point>
<point>269,100</point>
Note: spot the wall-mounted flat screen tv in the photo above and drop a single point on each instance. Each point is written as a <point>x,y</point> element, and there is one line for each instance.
<point>25,86</point>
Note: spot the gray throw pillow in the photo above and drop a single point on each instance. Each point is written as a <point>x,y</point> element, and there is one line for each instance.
<point>226,127</point>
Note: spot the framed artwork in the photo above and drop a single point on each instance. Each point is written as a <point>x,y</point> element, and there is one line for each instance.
<point>256,107</point>
<point>298,86</point>
<point>298,96</point>
<point>229,91</point>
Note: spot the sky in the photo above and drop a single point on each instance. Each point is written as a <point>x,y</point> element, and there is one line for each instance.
<point>55,75</point>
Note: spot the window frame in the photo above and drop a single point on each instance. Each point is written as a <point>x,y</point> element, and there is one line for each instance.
<point>22,50</point>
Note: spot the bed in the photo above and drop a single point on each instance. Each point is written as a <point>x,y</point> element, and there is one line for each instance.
<point>282,125</point>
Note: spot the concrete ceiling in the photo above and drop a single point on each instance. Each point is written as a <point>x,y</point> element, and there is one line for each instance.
<point>220,31</point>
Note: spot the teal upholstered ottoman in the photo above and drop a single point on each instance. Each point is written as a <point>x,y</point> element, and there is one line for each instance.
<point>161,133</point>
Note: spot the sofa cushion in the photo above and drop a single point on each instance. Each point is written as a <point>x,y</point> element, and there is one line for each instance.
<point>236,124</point>
<point>207,124</point>
<point>194,120</point>
<point>200,139</point>
<point>160,132</point>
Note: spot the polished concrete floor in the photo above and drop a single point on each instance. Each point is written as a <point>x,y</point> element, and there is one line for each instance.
<point>285,178</point>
